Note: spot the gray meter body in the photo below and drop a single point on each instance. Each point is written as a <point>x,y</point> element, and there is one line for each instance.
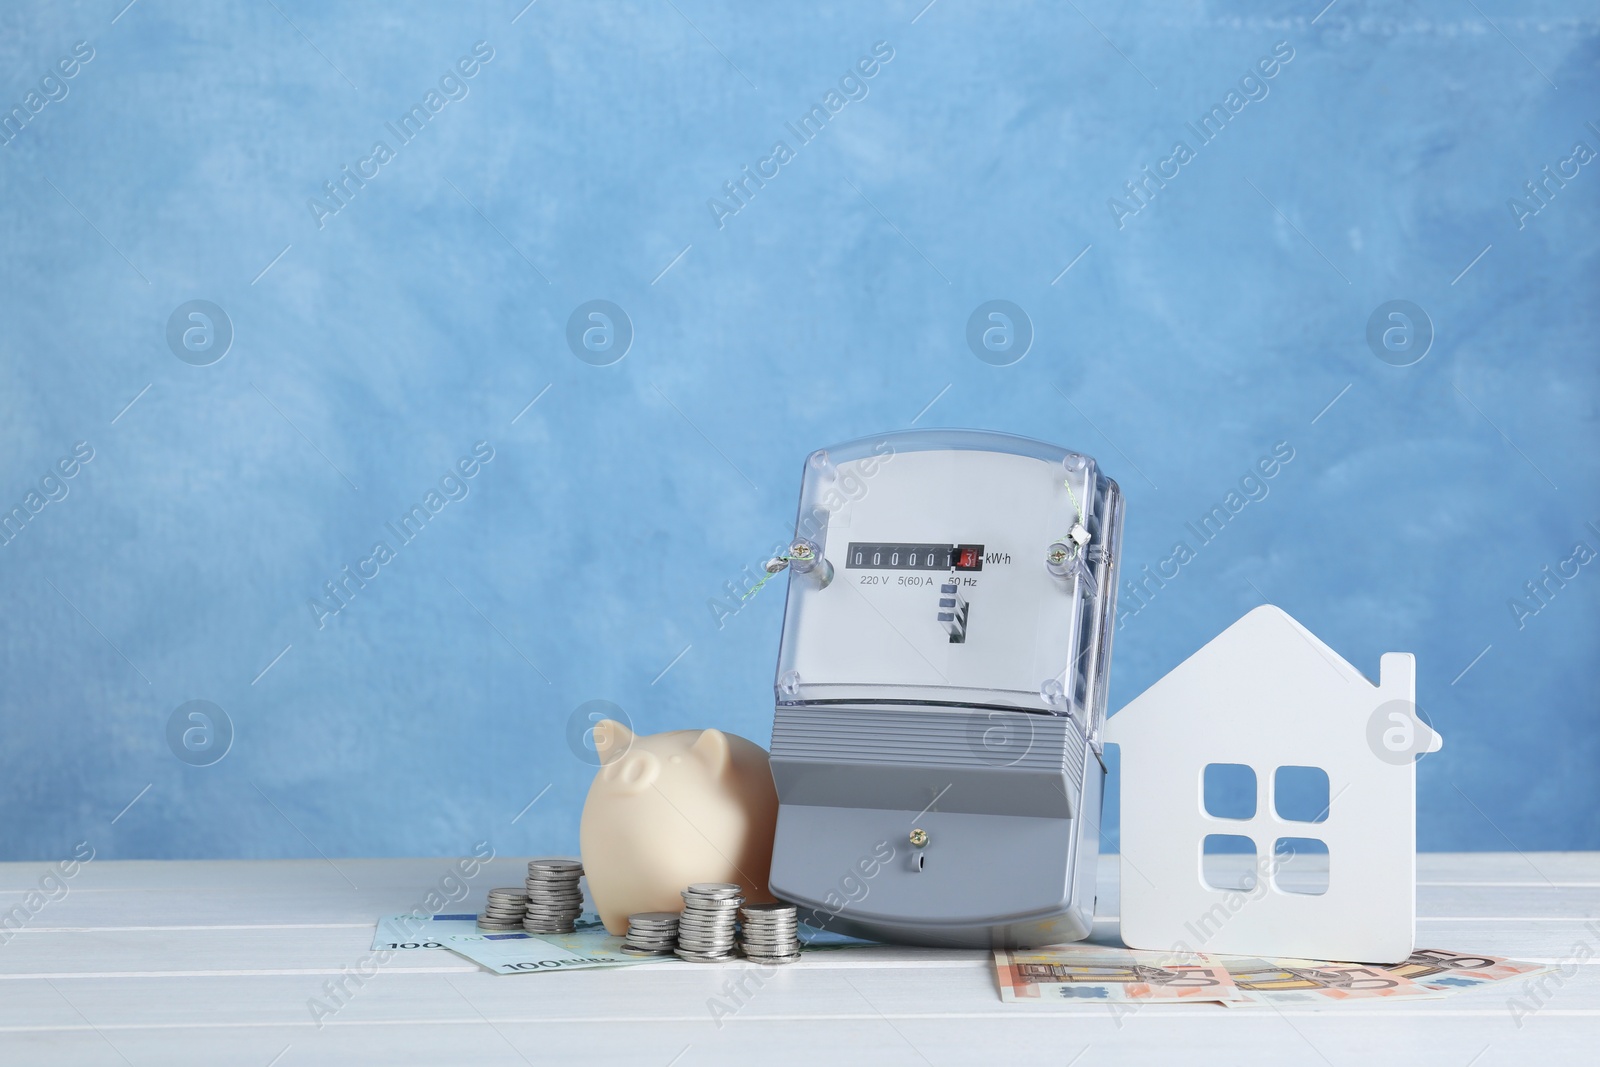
<point>941,688</point>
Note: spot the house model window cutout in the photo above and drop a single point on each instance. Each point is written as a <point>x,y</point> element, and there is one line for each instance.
<point>1335,882</point>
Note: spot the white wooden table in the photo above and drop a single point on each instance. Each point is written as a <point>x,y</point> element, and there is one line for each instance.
<point>214,963</point>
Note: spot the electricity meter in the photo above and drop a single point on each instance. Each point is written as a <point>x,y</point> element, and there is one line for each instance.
<point>941,688</point>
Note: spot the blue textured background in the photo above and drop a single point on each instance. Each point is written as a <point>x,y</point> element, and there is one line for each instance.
<point>1220,319</point>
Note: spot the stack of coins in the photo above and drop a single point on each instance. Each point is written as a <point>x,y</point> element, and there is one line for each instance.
<point>651,933</point>
<point>705,929</point>
<point>504,910</point>
<point>769,934</point>
<point>554,900</point>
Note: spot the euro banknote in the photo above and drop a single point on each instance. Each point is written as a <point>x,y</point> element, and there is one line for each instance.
<point>509,952</point>
<point>1099,973</point>
<point>1290,981</point>
<point>1448,972</point>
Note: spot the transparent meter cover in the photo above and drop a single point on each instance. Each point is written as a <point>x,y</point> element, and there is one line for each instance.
<point>958,567</point>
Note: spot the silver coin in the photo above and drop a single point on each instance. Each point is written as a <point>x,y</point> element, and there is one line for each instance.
<point>632,951</point>
<point>654,917</point>
<point>774,960</point>
<point>555,864</point>
<point>782,911</point>
<point>713,889</point>
<point>705,957</point>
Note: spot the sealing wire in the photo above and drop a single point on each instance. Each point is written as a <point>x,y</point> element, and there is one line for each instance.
<point>783,563</point>
<point>1077,509</point>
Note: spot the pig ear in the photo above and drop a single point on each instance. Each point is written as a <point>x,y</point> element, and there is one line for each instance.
<point>711,749</point>
<point>611,740</point>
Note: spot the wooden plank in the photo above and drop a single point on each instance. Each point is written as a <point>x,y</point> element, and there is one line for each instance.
<point>230,893</point>
<point>665,994</point>
<point>251,905</point>
<point>886,1041</point>
<point>1515,868</point>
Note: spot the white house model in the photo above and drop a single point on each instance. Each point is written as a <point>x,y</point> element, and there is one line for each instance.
<point>1268,695</point>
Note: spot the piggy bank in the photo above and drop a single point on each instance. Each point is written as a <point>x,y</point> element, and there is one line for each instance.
<point>671,809</point>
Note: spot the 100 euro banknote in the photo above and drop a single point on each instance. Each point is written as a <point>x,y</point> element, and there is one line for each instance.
<point>507,952</point>
<point>1096,973</point>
